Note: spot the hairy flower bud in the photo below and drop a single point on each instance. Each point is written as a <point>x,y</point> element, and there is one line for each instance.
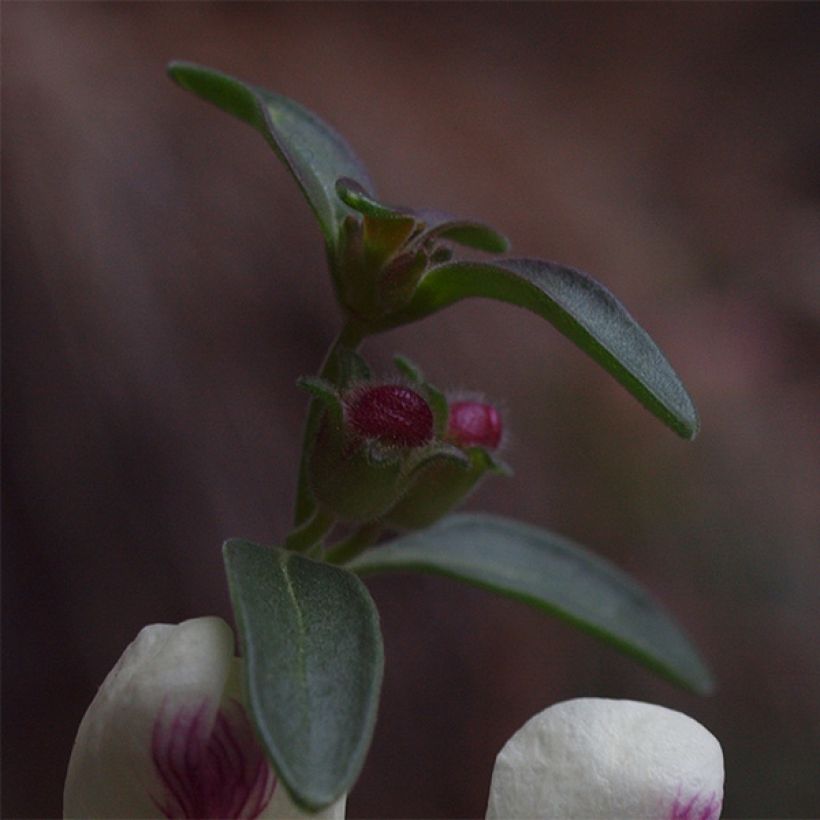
<point>474,424</point>
<point>371,440</point>
<point>392,414</point>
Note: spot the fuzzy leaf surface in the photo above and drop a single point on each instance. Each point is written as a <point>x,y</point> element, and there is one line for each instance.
<point>550,573</point>
<point>580,308</point>
<point>313,665</point>
<point>314,152</point>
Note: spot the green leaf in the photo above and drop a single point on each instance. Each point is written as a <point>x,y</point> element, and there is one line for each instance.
<point>581,308</point>
<point>313,662</point>
<point>313,152</point>
<point>550,573</point>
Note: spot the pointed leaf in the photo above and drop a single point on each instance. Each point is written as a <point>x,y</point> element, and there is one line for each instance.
<point>313,152</point>
<point>581,308</point>
<point>550,573</point>
<point>313,662</point>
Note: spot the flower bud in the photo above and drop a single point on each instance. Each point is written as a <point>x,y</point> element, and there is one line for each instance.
<point>168,735</point>
<point>392,414</point>
<point>597,759</point>
<point>371,439</point>
<point>473,427</point>
<point>474,424</point>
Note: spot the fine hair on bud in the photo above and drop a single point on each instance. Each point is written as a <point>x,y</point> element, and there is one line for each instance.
<point>393,414</point>
<point>475,421</point>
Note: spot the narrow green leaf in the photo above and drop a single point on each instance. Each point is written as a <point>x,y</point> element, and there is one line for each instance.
<point>313,661</point>
<point>313,152</point>
<point>581,308</point>
<point>550,573</point>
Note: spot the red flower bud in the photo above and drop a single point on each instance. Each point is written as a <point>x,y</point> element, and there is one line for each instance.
<point>473,424</point>
<point>392,414</point>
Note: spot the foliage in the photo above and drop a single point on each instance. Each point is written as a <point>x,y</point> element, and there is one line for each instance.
<point>309,629</point>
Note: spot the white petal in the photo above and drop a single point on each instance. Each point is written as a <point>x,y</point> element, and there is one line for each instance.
<point>592,758</point>
<point>111,772</point>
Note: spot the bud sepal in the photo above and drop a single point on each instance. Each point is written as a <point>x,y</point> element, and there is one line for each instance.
<point>471,428</point>
<point>383,251</point>
<point>374,439</point>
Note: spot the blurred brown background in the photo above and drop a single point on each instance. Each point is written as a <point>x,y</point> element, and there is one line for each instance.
<point>164,286</point>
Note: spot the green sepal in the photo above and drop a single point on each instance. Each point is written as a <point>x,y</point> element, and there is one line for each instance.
<point>349,368</point>
<point>433,225</point>
<point>434,453</point>
<point>398,280</point>
<point>494,464</point>
<point>386,229</point>
<point>355,480</point>
<point>553,574</point>
<point>355,196</point>
<point>580,308</point>
<point>466,232</point>
<point>408,369</point>
<point>313,661</point>
<point>439,485</point>
<point>313,152</point>
<point>326,393</point>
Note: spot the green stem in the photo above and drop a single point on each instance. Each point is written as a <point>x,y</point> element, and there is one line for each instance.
<point>359,541</point>
<point>311,532</point>
<point>350,336</point>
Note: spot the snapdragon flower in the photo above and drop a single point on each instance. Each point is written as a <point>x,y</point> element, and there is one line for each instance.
<point>167,735</point>
<point>596,759</point>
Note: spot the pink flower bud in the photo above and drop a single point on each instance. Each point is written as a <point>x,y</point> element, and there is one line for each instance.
<point>473,424</point>
<point>392,414</point>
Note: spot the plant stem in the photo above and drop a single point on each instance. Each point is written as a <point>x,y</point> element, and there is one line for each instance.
<point>311,532</point>
<point>359,541</point>
<point>351,336</point>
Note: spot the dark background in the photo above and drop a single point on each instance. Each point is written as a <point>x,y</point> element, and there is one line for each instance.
<point>164,286</point>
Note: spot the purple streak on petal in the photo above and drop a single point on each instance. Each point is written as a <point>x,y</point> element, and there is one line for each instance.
<point>695,809</point>
<point>711,811</point>
<point>682,811</point>
<point>217,771</point>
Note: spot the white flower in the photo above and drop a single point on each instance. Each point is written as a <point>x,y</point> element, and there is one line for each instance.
<point>594,758</point>
<point>167,735</point>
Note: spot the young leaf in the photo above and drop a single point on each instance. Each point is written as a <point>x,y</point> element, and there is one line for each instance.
<point>465,232</point>
<point>355,196</point>
<point>313,152</point>
<point>550,573</point>
<point>437,225</point>
<point>313,663</point>
<point>581,308</point>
